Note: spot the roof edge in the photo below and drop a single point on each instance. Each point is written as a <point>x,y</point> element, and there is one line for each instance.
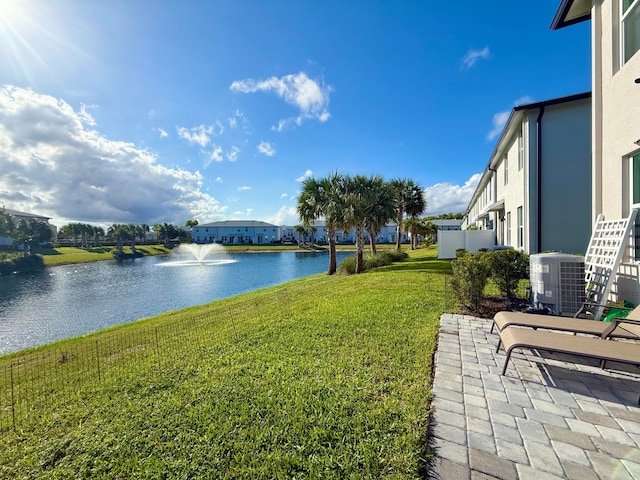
<point>560,19</point>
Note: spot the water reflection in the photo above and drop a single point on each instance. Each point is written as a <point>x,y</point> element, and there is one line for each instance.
<point>72,300</point>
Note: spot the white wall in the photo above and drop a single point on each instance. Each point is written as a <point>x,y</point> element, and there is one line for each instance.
<point>471,240</point>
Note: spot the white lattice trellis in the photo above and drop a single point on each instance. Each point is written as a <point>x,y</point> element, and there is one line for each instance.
<point>602,260</point>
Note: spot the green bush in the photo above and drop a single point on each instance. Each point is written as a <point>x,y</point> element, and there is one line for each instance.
<point>380,259</point>
<point>20,263</point>
<point>470,274</point>
<point>348,265</point>
<point>507,268</point>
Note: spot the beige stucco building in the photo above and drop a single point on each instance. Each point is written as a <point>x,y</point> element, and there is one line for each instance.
<point>615,39</point>
<point>534,192</point>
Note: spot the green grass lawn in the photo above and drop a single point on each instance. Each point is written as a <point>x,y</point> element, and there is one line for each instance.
<point>67,255</point>
<point>323,377</point>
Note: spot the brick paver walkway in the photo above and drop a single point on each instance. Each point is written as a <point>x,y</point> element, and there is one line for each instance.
<point>545,419</point>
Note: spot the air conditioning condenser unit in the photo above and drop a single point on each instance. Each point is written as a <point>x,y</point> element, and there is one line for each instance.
<point>557,282</point>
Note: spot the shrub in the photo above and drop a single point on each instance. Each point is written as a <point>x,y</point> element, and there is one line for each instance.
<point>20,263</point>
<point>348,265</point>
<point>508,267</point>
<point>470,273</point>
<point>380,259</point>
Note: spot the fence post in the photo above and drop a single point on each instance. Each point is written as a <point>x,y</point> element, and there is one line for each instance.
<point>98,360</point>
<point>157,346</point>
<point>13,403</point>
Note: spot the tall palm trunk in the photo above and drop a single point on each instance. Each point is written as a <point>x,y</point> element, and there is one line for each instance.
<point>372,242</point>
<point>359,248</point>
<point>333,264</point>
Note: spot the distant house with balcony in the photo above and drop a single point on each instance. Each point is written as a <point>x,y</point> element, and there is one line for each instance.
<point>535,192</point>
<point>615,163</point>
<point>16,216</point>
<point>236,232</point>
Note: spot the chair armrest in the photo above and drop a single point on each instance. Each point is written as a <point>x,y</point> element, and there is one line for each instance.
<point>615,323</point>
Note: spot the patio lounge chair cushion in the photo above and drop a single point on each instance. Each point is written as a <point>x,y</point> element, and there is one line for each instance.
<point>501,320</point>
<point>599,348</point>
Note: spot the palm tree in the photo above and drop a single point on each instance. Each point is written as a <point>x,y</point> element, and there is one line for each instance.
<point>118,232</point>
<point>357,203</point>
<point>141,231</point>
<point>30,233</point>
<point>98,233</point>
<point>323,199</point>
<point>300,230</point>
<point>408,200</point>
<point>379,210</point>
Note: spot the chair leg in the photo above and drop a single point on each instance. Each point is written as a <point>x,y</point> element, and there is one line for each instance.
<point>506,362</point>
<point>498,346</point>
<point>492,327</point>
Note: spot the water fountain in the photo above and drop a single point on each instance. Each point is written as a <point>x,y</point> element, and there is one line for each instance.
<point>198,254</point>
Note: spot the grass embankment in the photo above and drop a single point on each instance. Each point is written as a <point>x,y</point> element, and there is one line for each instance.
<point>68,255</point>
<point>323,377</point>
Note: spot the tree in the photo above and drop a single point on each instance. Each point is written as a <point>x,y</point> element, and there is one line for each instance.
<point>408,199</point>
<point>98,233</point>
<point>132,231</point>
<point>141,232</point>
<point>301,231</point>
<point>323,199</point>
<point>413,226</point>
<point>379,210</point>
<point>31,233</point>
<point>118,232</point>
<point>191,223</point>
<point>7,225</point>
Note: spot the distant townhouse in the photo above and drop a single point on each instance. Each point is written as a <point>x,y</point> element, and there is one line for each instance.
<point>535,192</point>
<point>17,216</point>
<point>387,234</point>
<point>615,163</point>
<point>236,232</point>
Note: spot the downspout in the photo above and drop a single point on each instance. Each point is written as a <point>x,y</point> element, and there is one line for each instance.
<point>539,176</point>
<point>494,194</point>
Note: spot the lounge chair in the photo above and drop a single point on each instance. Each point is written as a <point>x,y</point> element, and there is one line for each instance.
<point>602,348</point>
<point>502,320</point>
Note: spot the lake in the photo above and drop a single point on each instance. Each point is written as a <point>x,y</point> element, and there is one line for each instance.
<point>72,300</point>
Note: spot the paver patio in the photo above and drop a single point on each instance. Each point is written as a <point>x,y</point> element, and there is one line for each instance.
<point>551,416</point>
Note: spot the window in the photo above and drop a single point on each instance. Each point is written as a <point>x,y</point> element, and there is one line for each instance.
<point>520,150</point>
<point>508,242</point>
<point>630,28</point>
<point>505,162</point>
<point>520,228</point>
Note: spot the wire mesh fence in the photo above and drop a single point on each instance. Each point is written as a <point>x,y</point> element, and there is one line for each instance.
<point>35,382</point>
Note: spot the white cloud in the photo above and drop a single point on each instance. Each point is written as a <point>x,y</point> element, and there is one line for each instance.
<point>85,116</point>
<point>284,195</point>
<point>244,188</point>
<point>53,165</point>
<point>219,180</point>
<point>307,174</point>
<point>285,216</point>
<point>500,119</point>
<point>242,213</point>
<point>472,56</point>
<point>309,96</point>
<point>163,133</point>
<point>266,149</point>
<point>448,198</point>
<point>200,135</point>
<point>214,156</point>
<point>232,153</point>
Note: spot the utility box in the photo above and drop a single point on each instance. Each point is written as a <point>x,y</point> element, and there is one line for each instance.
<point>557,282</point>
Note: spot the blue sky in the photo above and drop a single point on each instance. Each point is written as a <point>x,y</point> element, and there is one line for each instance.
<point>151,111</point>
